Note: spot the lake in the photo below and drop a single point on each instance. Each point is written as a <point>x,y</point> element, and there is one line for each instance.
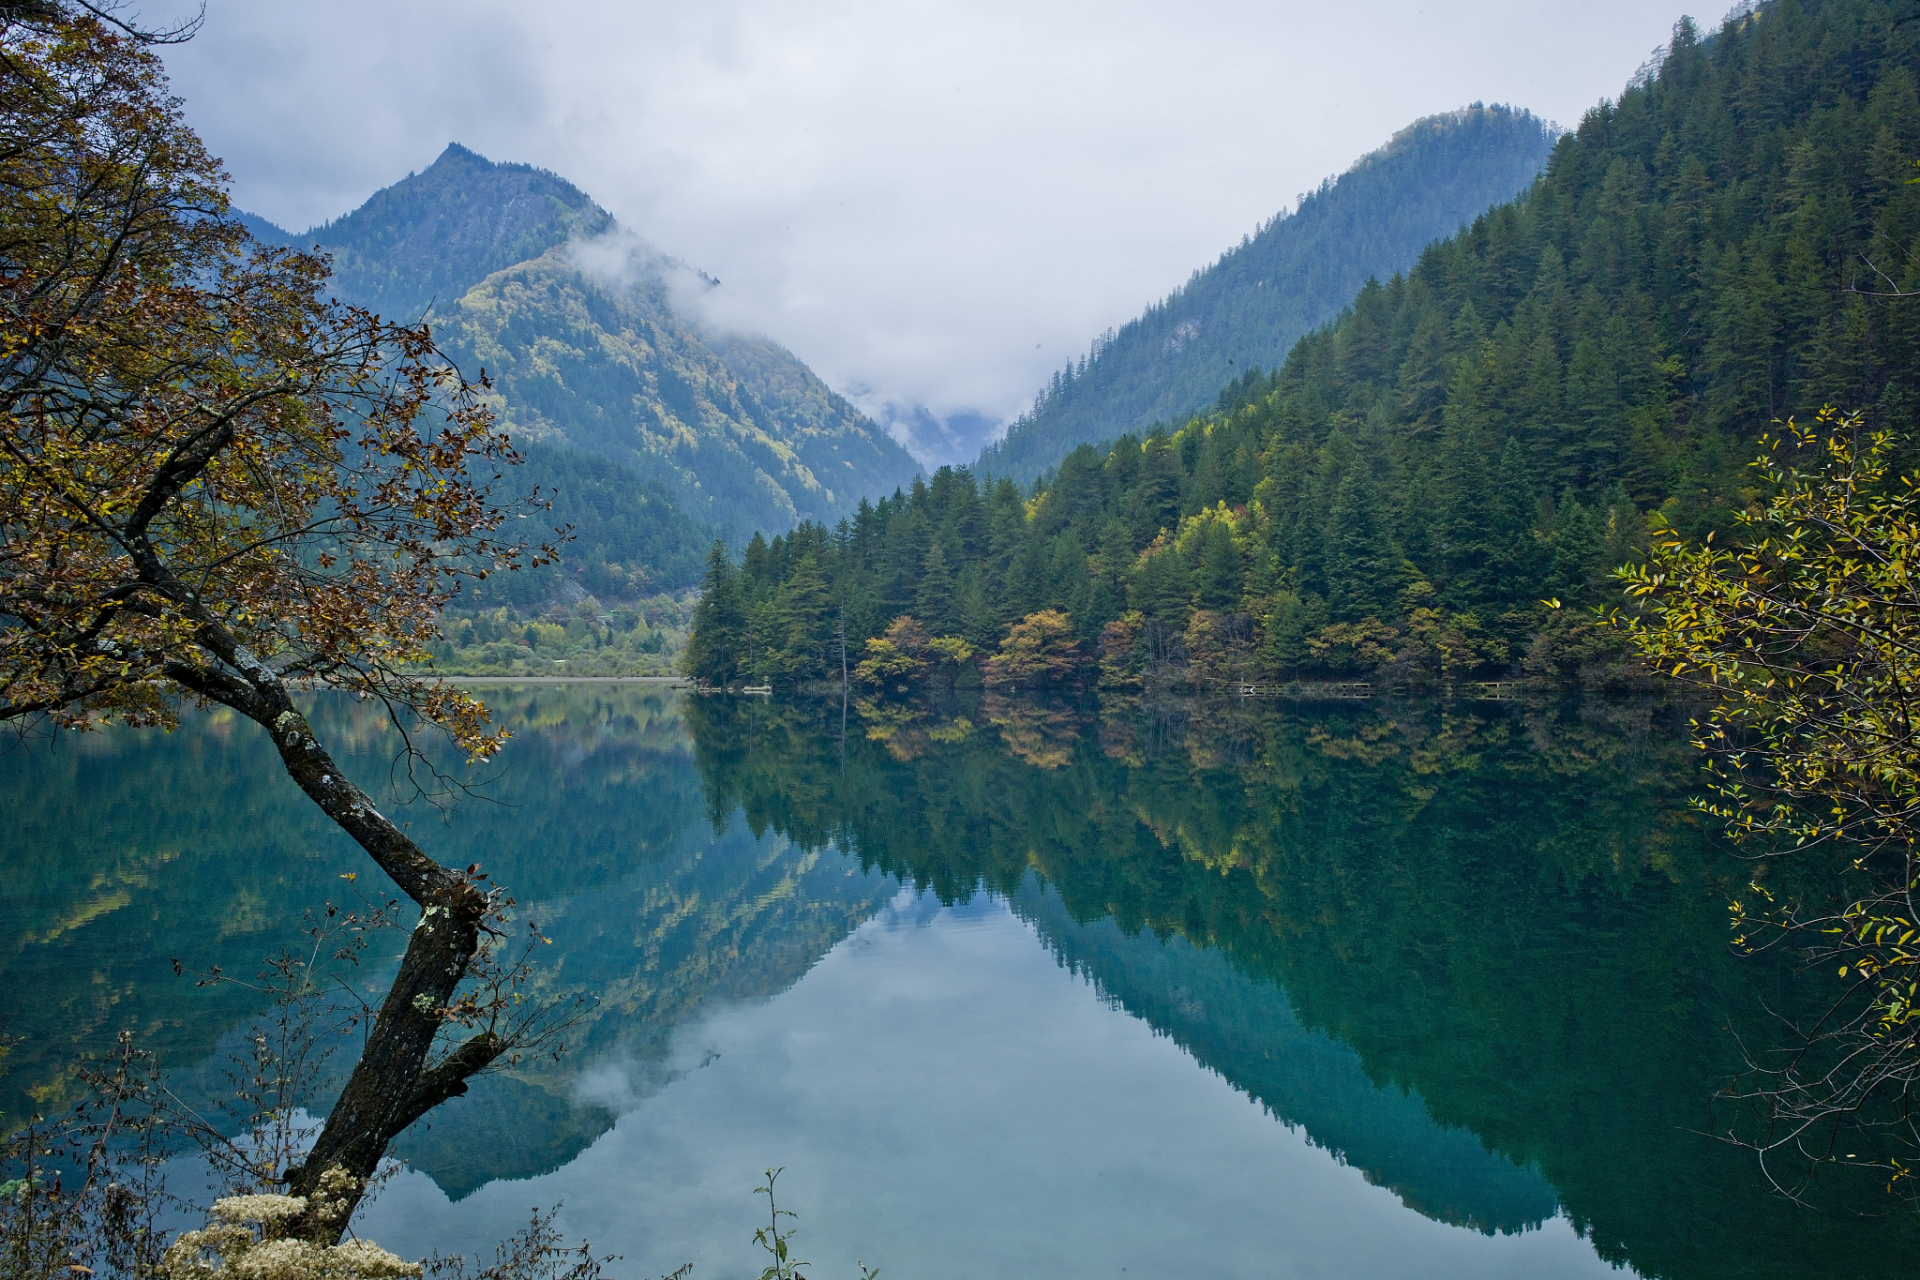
<point>1011,989</point>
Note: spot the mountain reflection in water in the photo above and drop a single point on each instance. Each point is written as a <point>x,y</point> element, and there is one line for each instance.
<point>1477,952</point>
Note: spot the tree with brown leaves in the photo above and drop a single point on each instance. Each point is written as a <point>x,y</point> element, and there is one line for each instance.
<point>216,486</point>
<point>1038,649</point>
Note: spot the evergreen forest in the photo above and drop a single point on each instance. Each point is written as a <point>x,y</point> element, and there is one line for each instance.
<point>1435,486</point>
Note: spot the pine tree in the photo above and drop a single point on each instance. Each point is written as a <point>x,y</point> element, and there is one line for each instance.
<point>1218,574</point>
<point>1416,518</point>
<point>1538,414</point>
<point>717,646</point>
<point>1024,585</point>
<point>1287,625</point>
<point>1424,372</point>
<point>757,567</point>
<point>974,611</point>
<point>1160,588</point>
<point>1591,443</point>
<point>1156,498</point>
<point>1362,563</point>
<point>805,618</point>
<point>1577,550</point>
<point>1463,534</point>
<point>1519,559</point>
<point>1108,598</point>
<point>933,603</point>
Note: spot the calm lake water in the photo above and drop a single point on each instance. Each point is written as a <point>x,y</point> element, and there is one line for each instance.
<point>1009,990</point>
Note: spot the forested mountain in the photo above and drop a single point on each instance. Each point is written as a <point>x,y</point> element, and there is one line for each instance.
<point>1296,272</point>
<point>652,432</point>
<point>1487,432</point>
<point>739,432</point>
<point>1246,1030</point>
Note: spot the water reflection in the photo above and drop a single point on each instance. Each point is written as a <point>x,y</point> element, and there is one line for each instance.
<point>1245,1029</point>
<point>1466,960</point>
<point>951,1103</point>
<point>1507,911</point>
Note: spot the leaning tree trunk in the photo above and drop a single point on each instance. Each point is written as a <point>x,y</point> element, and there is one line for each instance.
<point>392,1084</point>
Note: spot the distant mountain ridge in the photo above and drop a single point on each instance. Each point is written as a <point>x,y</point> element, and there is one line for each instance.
<point>596,353</point>
<point>1296,273</point>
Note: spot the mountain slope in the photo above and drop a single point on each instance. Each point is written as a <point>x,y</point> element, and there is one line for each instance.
<point>629,538</point>
<point>737,429</point>
<point>1244,1028</point>
<point>595,350</point>
<point>1248,308</point>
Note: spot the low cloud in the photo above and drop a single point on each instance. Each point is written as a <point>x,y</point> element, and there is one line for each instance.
<point>620,260</point>
<point>615,259</point>
<point>936,439</point>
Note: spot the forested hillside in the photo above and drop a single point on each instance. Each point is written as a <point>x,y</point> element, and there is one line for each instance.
<point>650,433</point>
<point>629,540</point>
<point>1297,272</point>
<point>738,431</point>
<point>1490,431</point>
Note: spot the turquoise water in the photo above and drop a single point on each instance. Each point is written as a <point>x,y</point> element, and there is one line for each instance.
<point>949,1101</point>
<point>1007,990</point>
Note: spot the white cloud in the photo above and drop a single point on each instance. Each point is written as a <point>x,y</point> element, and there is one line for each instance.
<point>939,202</point>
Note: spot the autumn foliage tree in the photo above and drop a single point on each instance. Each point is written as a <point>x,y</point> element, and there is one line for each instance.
<point>1805,629</point>
<point>897,661</point>
<point>217,486</point>
<point>1039,649</point>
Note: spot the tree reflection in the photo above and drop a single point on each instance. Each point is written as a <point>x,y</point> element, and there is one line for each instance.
<point>1504,907</point>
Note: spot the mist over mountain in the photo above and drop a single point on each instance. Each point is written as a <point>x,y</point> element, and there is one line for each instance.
<point>736,428</point>
<point>1296,273</point>
<point>595,345</point>
<point>937,439</point>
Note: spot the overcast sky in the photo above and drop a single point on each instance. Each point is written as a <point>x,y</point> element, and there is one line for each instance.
<point>930,202</point>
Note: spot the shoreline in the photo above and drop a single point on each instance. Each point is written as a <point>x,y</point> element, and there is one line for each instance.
<point>680,681</point>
